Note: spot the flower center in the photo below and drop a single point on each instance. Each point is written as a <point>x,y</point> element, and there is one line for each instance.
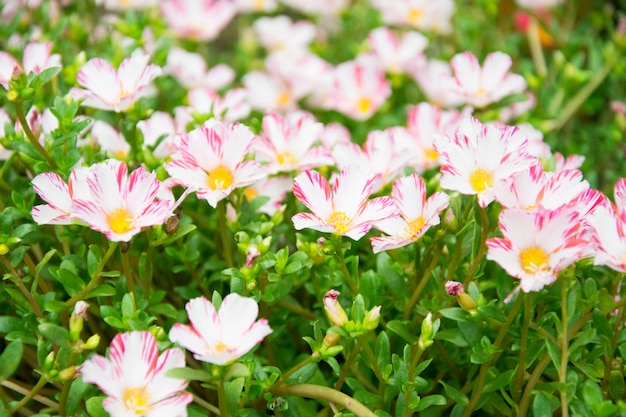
<point>340,221</point>
<point>258,4</point>
<point>220,347</point>
<point>480,180</point>
<point>250,193</point>
<point>120,221</point>
<point>286,158</point>
<point>284,98</point>
<point>480,92</point>
<point>534,260</point>
<point>414,226</point>
<point>364,104</point>
<point>220,178</point>
<point>137,399</point>
<point>415,14</point>
<point>431,154</point>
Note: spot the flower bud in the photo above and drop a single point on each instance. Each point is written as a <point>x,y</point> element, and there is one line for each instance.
<point>92,342</point>
<point>466,302</point>
<point>331,339</point>
<point>454,288</point>
<point>372,318</point>
<point>67,373</point>
<point>251,254</point>
<point>4,249</point>
<point>336,314</point>
<point>76,320</point>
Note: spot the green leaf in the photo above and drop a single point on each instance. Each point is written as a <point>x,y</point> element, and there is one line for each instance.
<point>455,394</point>
<point>75,395</point>
<point>303,374</point>
<point>431,400</point>
<point>382,350</point>
<point>94,255</point>
<point>454,313</point>
<point>103,290</point>
<point>70,281</point>
<point>190,374</point>
<point>55,333</point>
<point>10,359</point>
<point>26,148</point>
<point>9,324</point>
<point>554,351</point>
<point>233,393</point>
<point>54,306</point>
<point>45,76</point>
<point>402,329</point>
<point>94,407</point>
<point>128,305</point>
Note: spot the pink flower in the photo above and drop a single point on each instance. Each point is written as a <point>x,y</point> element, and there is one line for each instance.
<point>287,143</point>
<point>120,205</point>
<point>344,210</point>
<point>110,139</point>
<point>36,58</point>
<point>134,377</point>
<point>220,337</point>
<point>128,4</point>
<point>201,20</point>
<point>359,90</point>
<point>190,70</point>
<point>108,89</point>
<point>335,312</point>
<point>158,131</point>
<point>274,188</point>
<point>230,107</point>
<point>537,245</point>
<point>419,14</point>
<point>436,82</point>
<point>280,33</point>
<point>59,196</point>
<point>256,5</point>
<point>478,157</point>
<point>480,86</point>
<point>397,54</point>
<point>417,214</point>
<point>210,159</point>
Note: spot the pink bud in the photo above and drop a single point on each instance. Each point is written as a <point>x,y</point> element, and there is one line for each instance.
<point>251,254</point>
<point>454,288</point>
<point>336,313</point>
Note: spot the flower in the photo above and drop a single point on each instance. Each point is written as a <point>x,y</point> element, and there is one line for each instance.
<point>210,159</point>
<point>134,377</point>
<point>190,70</point>
<point>59,196</point>
<point>287,143</point>
<point>335,312</point>
<point>280,33</point>
<point>120,205</point>
<point>108,89</point>
<point>418,214</point>
<point>36,58</point>
<point>397,54</point>
<point>201,20</point>
<point>486,84</point>
<point>477,157</point>
<point>419,14</point>
<point>220,337</point>
<point>344,210</point>
<point>127,4</point>
<point>274,188</point>
<point>537,245</point>
<point>110,139</point>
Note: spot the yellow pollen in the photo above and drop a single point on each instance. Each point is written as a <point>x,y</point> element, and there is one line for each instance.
<point>534,260</point>
<point>480,180</point>
<point>414,226</point>
<point>286,158</point>
<point>220,347</point>
<point>431,154</point>
<point>137,399</point>
<point>415,14</point>
<point>284,98</point>
<point>120,221</point>
<point>340,221</point>
<point>258,4</point>
<point>364,104</point>
<point>250,193</point>
<point>480,92</point>
<point>120,154</point>
<point>220,178</point>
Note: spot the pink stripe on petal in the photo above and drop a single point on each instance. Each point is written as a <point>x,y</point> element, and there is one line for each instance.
<point>313,190</point>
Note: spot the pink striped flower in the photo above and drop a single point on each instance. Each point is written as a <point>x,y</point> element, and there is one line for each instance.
<point>344,209</point>
<point>486,84</point>
<point>478,157</point>
<point>59,196</point>
<point>537,245</point>
<point>359,90</point>
<point>110,89</point>
<point>230,107</point>
<point>134,377</point>
<point>201,20</point>
<point>210,159</point>
<point>281,33</point>
<point>36,58</point>
<point>397,54</point>
<point>220,337</point>
<point>274,188</point>
<point>418,14</point>
<point>287,142</point>
<point>417,214</point>
<point>120,205</point>
<point>128,4</point>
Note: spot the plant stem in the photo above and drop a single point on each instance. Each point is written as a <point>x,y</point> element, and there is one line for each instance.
<point>564,350</point>
<point>38,386</point>
<point>221,398</point>
<point>532,381</point>
<point>324,393</point>
<point>95,279</point>
<point>418,291</point>
<point>19,111</point>
<point>482,373</point>
<point>221,225</point>
<point>295,368</point>
<point>484,232</point>
<point>206,405</point>
<point>415,357</point>
<point>17,280</point>
<point>341,260</point>
<point>521,367</point>
<point>535,47</point>
<point>130,283</point>
<point>346,366</point>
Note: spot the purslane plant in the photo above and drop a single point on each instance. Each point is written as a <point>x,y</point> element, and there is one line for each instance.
<point>361,208</point>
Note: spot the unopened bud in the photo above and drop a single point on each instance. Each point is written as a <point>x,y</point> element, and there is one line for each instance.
<point>76,320</point>
<point>4,249</point>
<point>336,314</point>
<point>454,288</point>
<point>92,342</point>
<point>331,339</point>
<point>67,373</point>
<point>251,254</point>
<point>466,302</point>
<point>372,318</point>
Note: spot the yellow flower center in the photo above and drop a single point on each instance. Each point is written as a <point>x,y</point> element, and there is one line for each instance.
<point>480,180</point>
<point>431,154</point>
<point>364,104</point>
<point>340,221</point>
<point>137,399</point>
<point>414,226</point>
<point>250,193</point>
<point>120,221</point>
<point>258,4</point>
<point>121,154</point>
<point>220,178</point>
<point>220,347</point>
<point>415,14</point>
<point>284,98</point>
<point>480,92</point>
<point>534,260</point>
<point>286,158</point>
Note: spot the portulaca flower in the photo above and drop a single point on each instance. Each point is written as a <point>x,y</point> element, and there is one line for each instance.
<point>59,196</point>
<point>230,107</point>
<point>434,78</point>
<point>159,130</point>
<point>220,337</point>
<point>478,157</point>
<point>134,377</point>
<point>486,84</point>
<point>36,58</point>
<point>191,71</point>
<point>287,142</point>
<point>201,20</point>
<point>419,14</point>
<point>275,188</point>
<point>110,89</point>
<point>110,139</point>
<point>537,245</point>
<point>397,54</point>
<point>281,33</point>
<point>417,214</point>
<point>120,205</point>
<point>344,209</point>
<point>210,159</point>
<point>322,7</point>
<point>256,5</point>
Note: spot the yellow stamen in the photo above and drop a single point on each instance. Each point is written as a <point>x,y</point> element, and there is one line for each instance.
<point>220,178</point>
<point>137,399</point>
<point>250,193</point>
<point>431,154</point>
<point>534,260</point>
<point>286,158</point>
<point>364,104</point>
<point>414,226</point>
<point>480,92</point>
<point>480,180</point>
<point>284,98</point>
<point>258,4</point>
<point>415,14</point>
<point>120,221</point>
<point>340,221</point>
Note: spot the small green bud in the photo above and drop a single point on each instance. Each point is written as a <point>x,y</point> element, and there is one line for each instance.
<point>92,342</point>
<point>372,318</point>
<point>4,249</point>
<point>12,95</point>
<point>335,312</point>
<point>67,373</point>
